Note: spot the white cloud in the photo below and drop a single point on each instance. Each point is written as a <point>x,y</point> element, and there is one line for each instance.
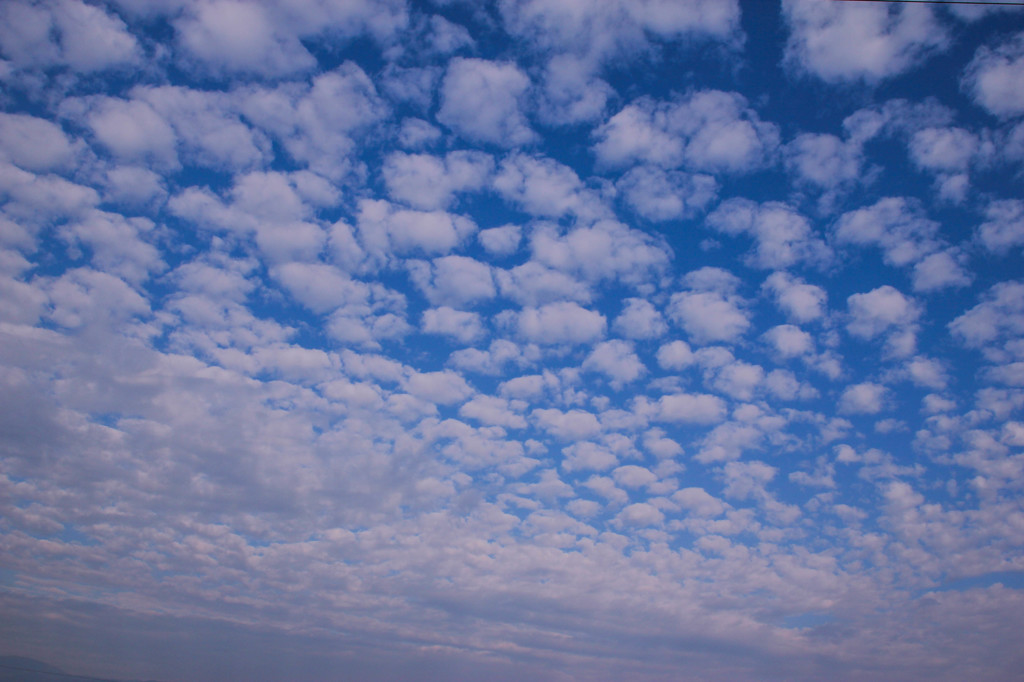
<point>542,187</point>
<point>384,228</point>
<point>416,133</point>
<point>570,425</point>
<point>699,408</point>
<point>708,130</point>
<point>482,101</point>
<point>316,122</point>
<point>617,360</point>
<point>824,160</point>
<point>65,32</point>
<point>239,36</point>
<point>641,514</point>
<point>34,144</point>
<point>941,270</point>
<point>494,411</point>
<point>864,398</point>
<point>699,502</point>
<point>462,326</point>
<point>500,241</point>
<point>1004,227</point>
<point>429,182</point>
<point>675,355</point>
<point>456,281</point>
<point>588,456</point>
<point>660,195</point>
<point>800,301</point>
<point>943,149</point>
<point>563,322</point>
<point>878,310</point>
<point>710,315</point>
<point>897,225</point>
<point>840,41</point>
<point>606,250</point>
<point>597,31</point>
<point>444,388</point>
<point>131,130</point>
<point>789,341</point>
<point>996,78</point>
<point>639,319</point>
<point>783,236</point>
<point>534,284</point>
<point>1000,313</point>
<point>927,372</point>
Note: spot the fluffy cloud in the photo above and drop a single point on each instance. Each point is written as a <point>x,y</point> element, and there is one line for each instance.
<point>880,310</point>
<point>617,360</point>
<point>453,280</point>
<point>699,408</point>
<point>802,302</point>
<point>481,100</point>
<point>996,78</point>
<point>639,319</point>
<point>1001,312</point>
<point>65,33</point>
<point>430,182</point>
<point>859,41</point>
<point>865,398</point>
<point>563,322</point>
<point>463,326</point>
<point>707,131</point>
<point>660,195</point>
<point>710,310</point>
<point>783,237</point>
<point>1004,225</point>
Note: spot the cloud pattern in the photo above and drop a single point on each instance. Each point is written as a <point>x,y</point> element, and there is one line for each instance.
<point>528,339</point>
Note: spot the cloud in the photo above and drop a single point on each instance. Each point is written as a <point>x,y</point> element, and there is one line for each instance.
<point>783,236</point>
<point>66,33</point>
<point>906,237</point>
<point>865,398</point>
<point>824,160</point>
<point>878,310</point>
<point>710,311</point>
<point>675,355</point>
<point>660,195</point>
<point>617,360</point>
<point>557,323</point>
<point>802,302</point>
<point>699,408</point>
<point>542,187</point>
<point>462,326</point>
<point>481,100</point>
<point>851,41</point>
<point>639,320</point>
<point>699,502</point>
<point>570,425</point>
<point>1004,227</point>
<point>500,241</point>
<point>707,130</point>
<point>34,144</point>
<point>1000,312</point>
<point>995,78</point>
<point>456,281</point>
<point>429,183</point>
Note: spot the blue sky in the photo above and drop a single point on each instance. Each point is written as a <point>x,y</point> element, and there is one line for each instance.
<point>537,339</point>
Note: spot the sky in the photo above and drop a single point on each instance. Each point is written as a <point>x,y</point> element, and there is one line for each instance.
<point>526,339</point>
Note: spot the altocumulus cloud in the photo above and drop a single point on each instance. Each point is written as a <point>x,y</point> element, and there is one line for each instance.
<point>521,339</point>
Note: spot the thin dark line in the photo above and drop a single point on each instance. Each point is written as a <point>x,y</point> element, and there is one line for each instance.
<point>944,2</point>
<point>47,672</point>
